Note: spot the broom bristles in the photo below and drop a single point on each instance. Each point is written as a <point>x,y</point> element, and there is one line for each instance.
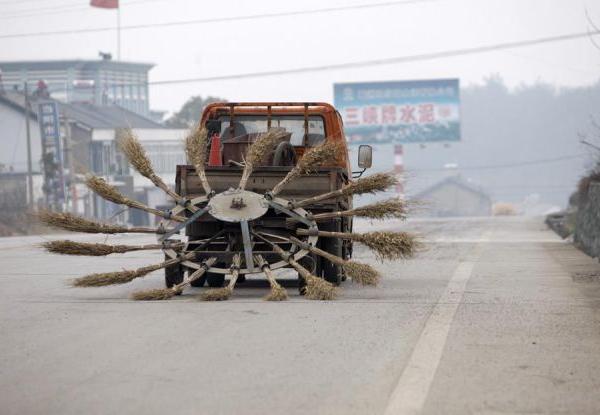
<point>386,209</point>
<point>109,278</point>
<point>196,147</point>
<point>361,273</point>
<point>319,289</point>
<point>153,295</point>
<point>321,155</point>
<point>277,293</point>
<point>67,247</point>
<point>318,156</point>
<point>216,294</point>
<point>106,191</point>
<point>135,152</point>
<point>263,145</point>
<point>391,245</point>
<point>377,182</point>
<point>76,224</point>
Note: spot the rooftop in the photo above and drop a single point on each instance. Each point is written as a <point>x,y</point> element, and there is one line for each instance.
<point>81,64</point>
<point>89,115</point>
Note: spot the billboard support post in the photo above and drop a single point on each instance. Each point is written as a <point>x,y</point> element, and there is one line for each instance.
<point>399,168</point>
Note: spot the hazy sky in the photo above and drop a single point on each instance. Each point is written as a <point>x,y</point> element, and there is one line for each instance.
<point>204,50</point>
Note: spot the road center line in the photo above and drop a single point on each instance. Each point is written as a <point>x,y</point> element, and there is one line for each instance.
<point>412,389</point>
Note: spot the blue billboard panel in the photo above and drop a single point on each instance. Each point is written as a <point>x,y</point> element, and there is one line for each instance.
<point>51,149</point>
<point>399,111</point>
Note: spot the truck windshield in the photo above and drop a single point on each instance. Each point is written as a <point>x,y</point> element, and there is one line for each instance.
<point>294,124</point>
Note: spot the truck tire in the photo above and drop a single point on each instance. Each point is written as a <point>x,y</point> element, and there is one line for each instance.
<point>199,282</point>
<point>331,272</point>
<point>215,280</point>
<point>309,262</point>
<point>173,274</point>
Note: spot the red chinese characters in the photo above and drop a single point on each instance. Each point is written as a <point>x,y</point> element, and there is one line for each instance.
<point>351,116</point>
<point>370,115</point>
<point>388,114</point>
<point>426,114</point>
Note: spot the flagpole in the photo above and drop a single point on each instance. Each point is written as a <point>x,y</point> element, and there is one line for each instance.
<point>118,32</point>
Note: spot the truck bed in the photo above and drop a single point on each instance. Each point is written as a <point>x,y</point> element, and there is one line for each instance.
<point>262,179</point>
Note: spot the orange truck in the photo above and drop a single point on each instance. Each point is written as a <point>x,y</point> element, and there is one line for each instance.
<point>232,127</point>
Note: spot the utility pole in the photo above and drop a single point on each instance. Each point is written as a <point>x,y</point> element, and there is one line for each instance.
<point>29,162</point>
<point>69,156</point>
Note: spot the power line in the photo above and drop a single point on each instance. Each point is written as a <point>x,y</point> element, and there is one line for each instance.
<point>384,61</point>
<point>217,20</point>
<point>374,62</point>
<point>60,9</point>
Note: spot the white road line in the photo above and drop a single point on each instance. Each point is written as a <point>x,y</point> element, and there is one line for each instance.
<point>412,389</point>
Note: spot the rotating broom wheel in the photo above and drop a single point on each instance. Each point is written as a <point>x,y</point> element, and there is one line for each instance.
<point>243,234</point>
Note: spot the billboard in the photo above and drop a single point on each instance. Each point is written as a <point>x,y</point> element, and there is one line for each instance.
<point>51,150</point>
<point>399,111</point>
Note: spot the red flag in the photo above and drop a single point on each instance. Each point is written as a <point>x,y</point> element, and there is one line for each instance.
<point>105,4</point>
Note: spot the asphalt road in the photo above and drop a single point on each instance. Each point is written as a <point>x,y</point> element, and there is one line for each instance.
<point>497,316</point>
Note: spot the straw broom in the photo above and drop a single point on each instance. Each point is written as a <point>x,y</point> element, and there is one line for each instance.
<point>321,155</point>
<point>394,208</point>
<point>110,193</point>
<point>222,294</point>
<point>74,223</point>
<point>387,245</point>
<point>125,276</point>
<point>361,273</point>
<point>158,294</point>
<point>316,288</point>
<point>277,293</point>
<point>196,148</point>
<point>66,247</point>
<point>375,183</point>
<point>136,154</point>
<point>258,150</point>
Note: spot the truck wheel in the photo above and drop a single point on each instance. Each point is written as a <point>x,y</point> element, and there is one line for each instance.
<point>199,282</point>
<point>310,263</point>
<point>215,280</point>
<point>330,271</point>
<point>173,274</point>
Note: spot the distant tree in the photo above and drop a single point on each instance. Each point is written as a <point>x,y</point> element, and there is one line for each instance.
<point>190,112</point>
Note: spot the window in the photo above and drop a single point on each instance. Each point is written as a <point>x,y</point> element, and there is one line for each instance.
<point>249,124</point>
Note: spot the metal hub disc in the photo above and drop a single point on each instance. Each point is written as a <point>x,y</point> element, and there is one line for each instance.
<point>235,205</point>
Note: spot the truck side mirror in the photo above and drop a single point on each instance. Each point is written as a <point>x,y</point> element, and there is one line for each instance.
<point>365,156</point>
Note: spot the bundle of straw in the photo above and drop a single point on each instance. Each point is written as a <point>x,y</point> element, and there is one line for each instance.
<point>67,247</point>
<point>363,274</point>
<point>111,278</point>
<point>78,224</point>
<point>110,193</point>
<point>136,154</point>
<point>125,276</point>
<point>196,148</point>
<point>259,150</point>
<point>387,245</point>
<point>158,294</point>
<point>318,156</point>
<point>277,293</point>
<point>394,208</point>
<point>316,288</point>
<point>222,294</point>
<point>375,183</point>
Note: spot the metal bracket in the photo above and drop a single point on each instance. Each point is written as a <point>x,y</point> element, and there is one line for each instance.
<point>182,225</point>
<point>247,245</point>
<point>289,212</point>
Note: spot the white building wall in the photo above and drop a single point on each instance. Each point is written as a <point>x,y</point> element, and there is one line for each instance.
<point>13,140</point>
